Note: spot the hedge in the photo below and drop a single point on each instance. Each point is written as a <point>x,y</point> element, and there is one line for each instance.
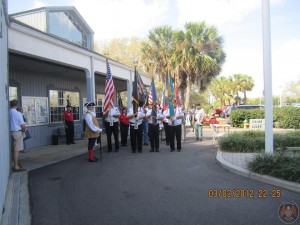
<point>285,117</point>
<point>254,141</point>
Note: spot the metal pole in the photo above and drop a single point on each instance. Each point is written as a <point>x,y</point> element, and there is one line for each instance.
<point>267,76</point>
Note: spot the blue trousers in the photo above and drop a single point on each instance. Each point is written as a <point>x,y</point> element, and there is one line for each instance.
<point>145,131</point>
<point>198,130</point>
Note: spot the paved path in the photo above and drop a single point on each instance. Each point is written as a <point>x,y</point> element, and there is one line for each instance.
<point>149,188</point>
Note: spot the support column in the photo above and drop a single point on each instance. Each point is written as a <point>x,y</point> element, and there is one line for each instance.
<point>129,89</point>
<point>90,82</point>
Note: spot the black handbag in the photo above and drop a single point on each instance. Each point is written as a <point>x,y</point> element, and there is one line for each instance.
<point>27,135</point>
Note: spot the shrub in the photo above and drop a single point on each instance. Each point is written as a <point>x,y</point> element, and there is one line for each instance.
<point>277,165</point>
<point>254,141</point>
<point>285,117</point>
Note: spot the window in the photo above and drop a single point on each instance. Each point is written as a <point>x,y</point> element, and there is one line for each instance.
<point>65,26</point>
<point>35,110</point>
<point>99,105</point>
<point>13,93</point>
<point>58,102</point>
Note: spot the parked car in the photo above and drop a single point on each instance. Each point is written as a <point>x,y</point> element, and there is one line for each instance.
<point>236,107</point>
<point>223,110</point>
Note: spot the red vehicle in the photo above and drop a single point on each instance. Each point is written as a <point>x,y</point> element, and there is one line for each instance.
<point>220,111</point>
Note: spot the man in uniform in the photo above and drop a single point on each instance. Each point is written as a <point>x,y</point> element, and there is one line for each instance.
<point>136,127</point>
<point>166,125</point>
<point>68,120</point>
<point>175,126</point>
<point>153,117</point>
<point>92,129</point>
<point>112,127</point>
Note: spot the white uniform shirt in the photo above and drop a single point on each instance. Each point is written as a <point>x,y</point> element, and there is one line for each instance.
<point>89,121</point>
<point>173,121</point>
<point>136,119</point>
<point>165,113</point>
<point>159,116</point>
<point>16,120</point>
<point>113,112</point>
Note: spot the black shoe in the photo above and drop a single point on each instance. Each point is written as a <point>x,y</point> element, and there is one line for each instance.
<point>197,139</point>
<point>109,150</point>
<point>140,151</point>
<point>172,150</point>
<point>157,150</point>
<point>133,151</point>
<point>178,150</point>
<point>146,144</point>
<point>68,143</point>
<point>73,143</point>
<point>116,150</point>
<point>94,160</point>
<point>152,150</point>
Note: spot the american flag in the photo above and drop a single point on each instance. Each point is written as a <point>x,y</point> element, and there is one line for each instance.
<point>150,98</point>
<point>109,89</point>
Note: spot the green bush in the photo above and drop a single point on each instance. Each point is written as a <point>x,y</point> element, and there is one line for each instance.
<point>254,141</point>
<point>285,117</point>
<point>277,165</point>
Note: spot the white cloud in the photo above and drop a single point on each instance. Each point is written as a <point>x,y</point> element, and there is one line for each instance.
<point>286,64</point>
<point>217,12</point>
<point>121,18</point>
<point>38,4</point>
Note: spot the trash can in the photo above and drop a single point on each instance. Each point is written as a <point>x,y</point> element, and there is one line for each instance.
<point>55,139</point>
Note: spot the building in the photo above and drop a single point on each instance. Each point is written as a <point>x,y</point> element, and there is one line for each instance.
<point>51,63</point>
<point>4,119</point>
<point>47,62</point>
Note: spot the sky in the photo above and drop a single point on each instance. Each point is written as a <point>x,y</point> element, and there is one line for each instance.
<point>239,22</point>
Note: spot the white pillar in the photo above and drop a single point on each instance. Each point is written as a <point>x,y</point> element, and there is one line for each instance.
<point>267,76</point>
<point>129,89</point>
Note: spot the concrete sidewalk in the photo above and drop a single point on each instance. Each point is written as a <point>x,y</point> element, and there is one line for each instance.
<point>17,209</point>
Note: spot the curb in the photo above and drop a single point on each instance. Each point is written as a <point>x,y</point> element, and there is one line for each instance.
<point>291,186</point>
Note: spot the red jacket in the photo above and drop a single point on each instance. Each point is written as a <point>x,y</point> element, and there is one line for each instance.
<point>123,119</point>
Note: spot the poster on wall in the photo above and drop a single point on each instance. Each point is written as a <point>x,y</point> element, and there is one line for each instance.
<point>35,110</point>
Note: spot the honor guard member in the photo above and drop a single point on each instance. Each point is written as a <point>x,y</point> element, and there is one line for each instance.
<point>68,120</point>
<point>92,129</point>
<point>175,126</point>
<point>153,126</point>
<point>136,127</point>
<point>166,124</point>
<point>112,127</point>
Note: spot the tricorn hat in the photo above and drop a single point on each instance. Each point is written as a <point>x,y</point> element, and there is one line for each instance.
<point>89,104</point>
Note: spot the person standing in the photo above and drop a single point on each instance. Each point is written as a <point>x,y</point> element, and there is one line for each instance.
<point>166,124</point>
<point>124,126</point>
<point>175,126</point>
<point>153,128</point>
<point>136,127</point>
<point>145,127</point>
<point>199,117</point>
<point>112,127</point>
<point>17,127</point>
<point>192,110</point>
<point>92,130</point>
<point>68,120</point>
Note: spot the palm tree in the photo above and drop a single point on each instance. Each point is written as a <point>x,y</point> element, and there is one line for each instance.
<point>198,56</point>
<point>221,89</point>
<point>249,84</point>
<point>242,83</point>
<point>157,51</point>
